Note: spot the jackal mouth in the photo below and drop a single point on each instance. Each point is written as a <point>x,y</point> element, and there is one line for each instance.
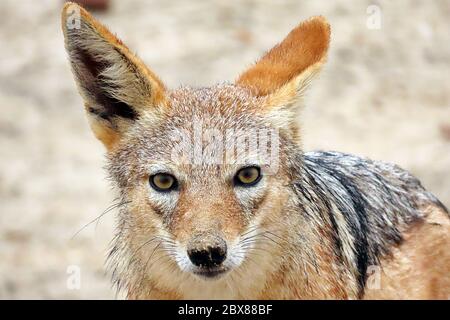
<point>211,273</point>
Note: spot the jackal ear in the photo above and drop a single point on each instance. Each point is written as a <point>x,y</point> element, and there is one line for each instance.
<point>283,73</point>
<point>116,86</point>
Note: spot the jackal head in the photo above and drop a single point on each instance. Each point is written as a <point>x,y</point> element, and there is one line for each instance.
<point>201,171</point>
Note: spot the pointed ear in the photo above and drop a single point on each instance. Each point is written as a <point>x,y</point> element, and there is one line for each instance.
<point>283,73</point>
<point>116,86</point>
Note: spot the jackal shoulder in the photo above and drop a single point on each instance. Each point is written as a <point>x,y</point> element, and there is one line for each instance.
<point>368,203</point>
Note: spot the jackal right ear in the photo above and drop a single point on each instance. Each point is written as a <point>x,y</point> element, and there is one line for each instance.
<point>116,86</point>
<point>283,73</point>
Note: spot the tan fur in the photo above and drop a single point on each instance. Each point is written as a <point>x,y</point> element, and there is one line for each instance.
<point>305,46</point>
<point>284,73</point>
<point>419,268</point>
<point>107,135</point>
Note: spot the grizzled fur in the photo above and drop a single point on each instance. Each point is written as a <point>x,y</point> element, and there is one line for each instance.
<point>377,200</point>
<point>368,204</point>
<point>309,227</point>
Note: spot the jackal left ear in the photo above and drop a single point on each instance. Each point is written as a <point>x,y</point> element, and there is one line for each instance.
<point>116,86</point>
<point>284,72</point>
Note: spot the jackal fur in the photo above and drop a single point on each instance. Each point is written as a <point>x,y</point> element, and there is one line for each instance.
<point>325,225</point>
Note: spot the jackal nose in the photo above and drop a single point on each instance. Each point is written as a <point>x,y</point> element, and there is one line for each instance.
<point>207,251</point>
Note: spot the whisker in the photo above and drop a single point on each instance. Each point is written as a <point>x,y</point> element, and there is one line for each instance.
<point>97,219</point>
<point>151,255</point>
<point>147,242</point>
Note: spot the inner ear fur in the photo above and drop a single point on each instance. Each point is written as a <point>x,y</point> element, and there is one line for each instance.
<point>115,84</point>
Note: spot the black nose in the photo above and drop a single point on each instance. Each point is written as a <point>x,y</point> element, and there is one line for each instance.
<point>209,254</point>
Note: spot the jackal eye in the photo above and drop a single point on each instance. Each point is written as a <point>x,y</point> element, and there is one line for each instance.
<point>248,176</point>
<point>163,182</point>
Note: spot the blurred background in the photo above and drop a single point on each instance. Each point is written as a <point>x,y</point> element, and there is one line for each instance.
<point>384,94</point>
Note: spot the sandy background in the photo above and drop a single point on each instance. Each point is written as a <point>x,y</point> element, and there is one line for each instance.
<point>384,94</point>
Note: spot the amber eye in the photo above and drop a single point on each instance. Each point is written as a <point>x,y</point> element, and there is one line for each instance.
<point>248,176</point>
<point>163,182</point>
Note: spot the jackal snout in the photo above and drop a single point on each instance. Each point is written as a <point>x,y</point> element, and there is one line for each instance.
<point>207,250</point>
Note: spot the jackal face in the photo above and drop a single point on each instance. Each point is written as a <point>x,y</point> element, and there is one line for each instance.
<point>201,171</point>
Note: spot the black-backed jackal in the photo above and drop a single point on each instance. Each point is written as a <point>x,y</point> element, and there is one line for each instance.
<point>219,201</point>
